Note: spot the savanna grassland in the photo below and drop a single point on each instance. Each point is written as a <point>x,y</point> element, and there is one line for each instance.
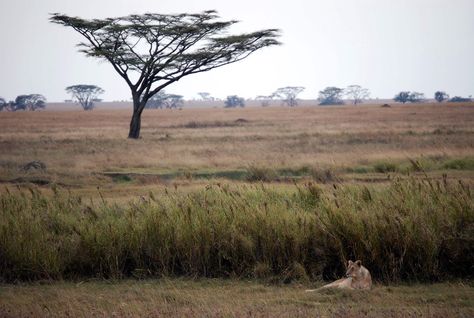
<point>78,147</point>
<point>234,212</point>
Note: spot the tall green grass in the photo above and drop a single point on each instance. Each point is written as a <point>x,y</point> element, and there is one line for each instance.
<point>409,230</point>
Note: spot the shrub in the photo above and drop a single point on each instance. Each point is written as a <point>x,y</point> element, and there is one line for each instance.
<point>460,164</point>
<point>256,173</point>
<point>384,167</point>
<point>360,169</point>
<point>459,99</point>
<point>119,178</point>
<point>324,175</point>
<point>234,101</point>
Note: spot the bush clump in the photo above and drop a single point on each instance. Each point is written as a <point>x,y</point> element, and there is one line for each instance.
<point>263,174</point>
<point>459,164</point>
<point>384,167</point>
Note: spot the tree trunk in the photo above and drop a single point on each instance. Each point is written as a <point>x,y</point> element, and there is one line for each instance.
<point>136,122</point>
<point>135,125</point>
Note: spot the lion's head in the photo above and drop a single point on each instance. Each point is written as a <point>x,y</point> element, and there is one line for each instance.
<point>354,269</point>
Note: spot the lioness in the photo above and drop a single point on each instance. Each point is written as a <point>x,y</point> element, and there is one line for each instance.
<point>357,277</point>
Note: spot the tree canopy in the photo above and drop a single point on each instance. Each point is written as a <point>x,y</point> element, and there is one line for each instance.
<point>205,96</point>
<point>234,101</point>
<point>288,94</point>
<point>265,99</point>
<point>459,99</point>
<point>357,93</point>
<point>402,97</point>
<point>416,97</point>
<point>3,103</point>
<point>29,102</point>
<point>85,94</point>
<point>164,100</point>
<point>441,96</point>
<point>151,51</point>
<point>407,96</point>
<point>331,96</point>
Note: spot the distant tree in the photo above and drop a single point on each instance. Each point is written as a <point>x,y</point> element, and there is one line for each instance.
<point>174,101</point>
<point>416,97</point>
<point>85,94</point>
<point>163,48</point>
<point>441,96</point>
<point>402,97</point>
<point>205,96</point>
<point>288,94</point>
<point>331,96</point>
<point>3,104</point>
<point>157,101</point>
<point>459,99</point>
<point>28,102</point>
<point>164,100</point>
<point>407,96</point>
<point>234,101</point>
<point>357,93</point>
<point>265,100</point>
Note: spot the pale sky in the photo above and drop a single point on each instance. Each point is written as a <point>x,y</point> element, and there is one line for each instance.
<point>384,45</point>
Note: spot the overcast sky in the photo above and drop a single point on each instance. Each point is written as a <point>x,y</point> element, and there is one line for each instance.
<point>384,45</point>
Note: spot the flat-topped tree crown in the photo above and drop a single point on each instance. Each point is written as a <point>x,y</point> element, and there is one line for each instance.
<point>151,51</point>
<point>85,94</point>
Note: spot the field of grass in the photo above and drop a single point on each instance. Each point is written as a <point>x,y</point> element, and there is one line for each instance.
<point>268,200</point>
<point>410,230</point>
<point>356,142</point>
<point>231,298</point>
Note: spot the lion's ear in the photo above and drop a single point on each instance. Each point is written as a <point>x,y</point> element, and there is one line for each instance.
<point>349,263</point>
<point>358,262</point>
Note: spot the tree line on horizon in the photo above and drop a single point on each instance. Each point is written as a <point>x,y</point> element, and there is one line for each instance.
<point>152,51</point>
<point>29,102</point>
<point>87,97</point>
<point>332,95</point>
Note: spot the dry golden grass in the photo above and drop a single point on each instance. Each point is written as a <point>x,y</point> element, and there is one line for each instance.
<point>75,145</point>
<point>228,298</point>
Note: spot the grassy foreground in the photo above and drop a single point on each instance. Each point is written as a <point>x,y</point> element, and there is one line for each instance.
<point>230,298</point>
<point>410,230</point>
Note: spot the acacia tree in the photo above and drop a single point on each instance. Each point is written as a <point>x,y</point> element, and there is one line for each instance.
<point>265,100</point>
<point>3,104</point>
<point>459,99</point>
<point>174,101</point>
<point>416,97</point>
<point>85,94</point>
<point>157,100</point>
<point>441,96</point>
<point>205,96</point>
<point>29,102</point>
<point>331,96</point>
<point>234,101</point>
<point>357,93</point>
<point>160,49</point>
<point>402,97</point>
<point>288,94</point>
<point>164,100</point>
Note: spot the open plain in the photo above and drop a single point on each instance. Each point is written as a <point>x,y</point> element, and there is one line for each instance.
<point>79,147</point>
<point>251,206</point>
